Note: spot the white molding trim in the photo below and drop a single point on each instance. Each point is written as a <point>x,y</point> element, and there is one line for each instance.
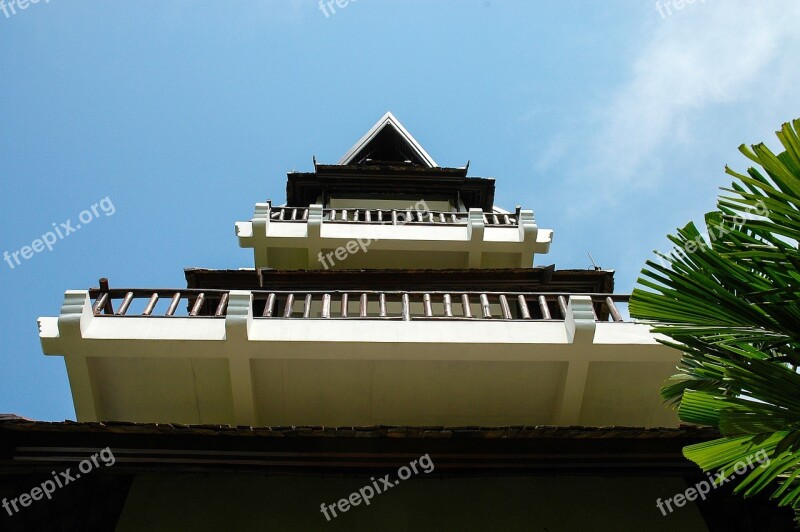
<point>388,120</point>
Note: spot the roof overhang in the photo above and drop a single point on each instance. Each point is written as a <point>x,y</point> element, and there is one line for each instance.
<point>538,279</point>
<point>304,189</point>
<point>531,450</point>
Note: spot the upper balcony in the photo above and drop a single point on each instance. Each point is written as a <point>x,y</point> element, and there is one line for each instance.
<point>388,204</point>
<point>352,357</point>
<point>315,238</point>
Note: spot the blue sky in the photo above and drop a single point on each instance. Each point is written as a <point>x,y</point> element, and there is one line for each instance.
<point>610,120</point>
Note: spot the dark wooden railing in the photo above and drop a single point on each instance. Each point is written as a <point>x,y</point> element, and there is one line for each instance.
<point>386,305</point>
<point>391,216</point>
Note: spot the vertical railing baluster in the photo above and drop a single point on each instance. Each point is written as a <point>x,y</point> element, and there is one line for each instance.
<point>345,302</point>
<point>496,221</point>
<point>504,307</point>
<point>100,303</point>
<point>108,308</point>
<point>544,308</point>
<point>307,306</point>
<point>223,305</point>
<point>406,307</point>
<point>380,216</point>
<point>294,214</point>
<point>123,308</point>
<point>485,308</point>
<point>523,307</point>
<point>362,306</point>
<point>426,302</point>
<point>465,308</point>
<point>173,305</point>
<point>198,304</point>
<point>289,307</point>
<point>612,309</point>
<point>151,305</point>
<point>269,306</point>
<point>562,306</point>
<point>394,217</point>
<point>305,214</point>
<point>448,306</point>
<point>382,304</point>
<point>282,211</point>
<point>442,219</point>
<point>333,215</point>
<point>368,215</point>
<point>326,306</point>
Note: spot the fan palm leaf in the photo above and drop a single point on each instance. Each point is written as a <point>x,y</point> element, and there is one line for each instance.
<point>729,299</point>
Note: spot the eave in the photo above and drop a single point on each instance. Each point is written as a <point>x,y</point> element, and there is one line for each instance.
<point>530,450</point>
<point>304,189</point>
<point>539,279</point>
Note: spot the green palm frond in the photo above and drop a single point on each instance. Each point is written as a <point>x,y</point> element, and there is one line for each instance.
<point>729,299</point>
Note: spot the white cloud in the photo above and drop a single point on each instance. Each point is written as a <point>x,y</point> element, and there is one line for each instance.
<point>698,60</point>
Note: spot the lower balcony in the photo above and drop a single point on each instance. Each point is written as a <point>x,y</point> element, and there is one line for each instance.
<point>252,357</point>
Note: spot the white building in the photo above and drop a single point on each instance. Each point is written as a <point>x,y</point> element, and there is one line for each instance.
<point>393,312</point>
<point>387,291</point>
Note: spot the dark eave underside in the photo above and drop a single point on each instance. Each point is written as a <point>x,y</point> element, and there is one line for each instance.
<point>399,170</point>
<point>30,452</point>
<point>328,450</point>
<point>303,189</point>
<point>539,279</point>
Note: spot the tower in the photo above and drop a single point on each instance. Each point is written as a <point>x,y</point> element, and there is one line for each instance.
<point>387,290</point>
<point>395,325</point>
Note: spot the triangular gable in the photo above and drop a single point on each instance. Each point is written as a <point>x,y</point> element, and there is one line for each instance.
<point>388,141</point>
